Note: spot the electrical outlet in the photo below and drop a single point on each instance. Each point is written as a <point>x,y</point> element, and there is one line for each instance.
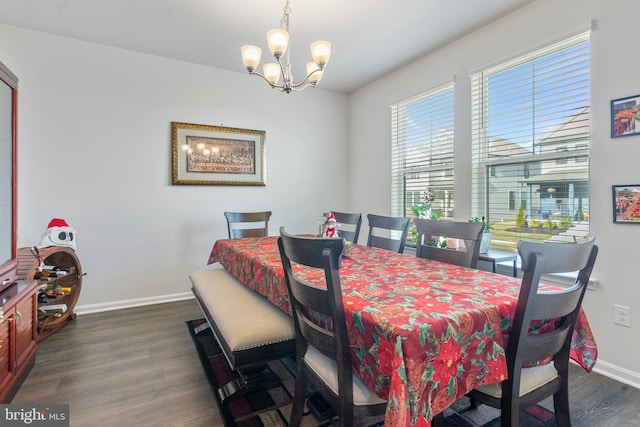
<point>622,315</point>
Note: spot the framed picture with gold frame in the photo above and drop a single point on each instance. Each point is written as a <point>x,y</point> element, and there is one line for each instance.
<point>215,155</point>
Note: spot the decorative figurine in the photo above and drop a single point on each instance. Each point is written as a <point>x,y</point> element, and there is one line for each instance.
<point>332,228</point>
<point>58,233</point>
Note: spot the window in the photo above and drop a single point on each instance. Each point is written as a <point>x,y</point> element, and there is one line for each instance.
<point>422,151</point>
<point>530,144</point>
<point>512,200</point>
<point>562,160</point>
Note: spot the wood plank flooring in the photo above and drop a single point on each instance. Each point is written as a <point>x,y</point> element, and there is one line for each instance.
<point>138,367</point>
<point>133,367</point>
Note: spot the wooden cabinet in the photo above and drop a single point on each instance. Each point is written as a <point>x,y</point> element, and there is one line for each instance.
<point>59,273</point>
<point>18,336</point>
<point>4,349</point>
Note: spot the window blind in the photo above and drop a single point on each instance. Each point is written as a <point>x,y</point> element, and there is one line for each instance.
<point>422,151</point>
<point>530,144</point>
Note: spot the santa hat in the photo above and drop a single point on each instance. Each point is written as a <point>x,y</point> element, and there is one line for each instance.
<point>332,217</point>
<point>57,222</point>
<point>58,233</point>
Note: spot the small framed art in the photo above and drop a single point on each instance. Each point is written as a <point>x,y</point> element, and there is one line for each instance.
<point>214,155</point>
<point>626,203</point>
<point>625,116</point>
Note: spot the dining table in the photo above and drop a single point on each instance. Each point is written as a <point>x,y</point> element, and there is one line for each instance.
<point>422,333</point>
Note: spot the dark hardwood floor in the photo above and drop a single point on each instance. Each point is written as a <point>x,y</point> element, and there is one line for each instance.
<point>138,367</point>
<point>132,367</point>
<point>599,401</point>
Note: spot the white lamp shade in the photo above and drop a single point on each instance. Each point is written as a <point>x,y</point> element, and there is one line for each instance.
<point>314,72</point>
<point>278,40</point>
<point>271,72</point>
<point>321,51</point>
<point>251,56</point>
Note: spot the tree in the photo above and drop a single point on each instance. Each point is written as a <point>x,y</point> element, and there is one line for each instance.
<point>521,219</point>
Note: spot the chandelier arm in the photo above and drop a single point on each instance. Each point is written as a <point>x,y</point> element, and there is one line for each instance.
<point>297,88</point>
<point>280,88</point>
<point>306,80</point>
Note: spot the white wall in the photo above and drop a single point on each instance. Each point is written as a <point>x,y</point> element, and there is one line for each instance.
<point>94,149</point>
<point>94,140</point>
<point>615,62</point>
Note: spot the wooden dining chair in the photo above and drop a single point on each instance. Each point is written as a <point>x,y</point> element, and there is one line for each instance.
<point>323,356</point>
<point>395,231</point>
<point>248,224</point>
<point>353,221</point>
<point>429,232</point>
<point>526,386</point>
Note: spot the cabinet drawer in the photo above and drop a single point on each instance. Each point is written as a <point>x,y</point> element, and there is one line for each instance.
<point>18,336</point>
<point>4,350</point>
<point>24,325</point>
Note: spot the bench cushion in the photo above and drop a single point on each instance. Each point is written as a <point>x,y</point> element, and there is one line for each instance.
<point>249,328</point>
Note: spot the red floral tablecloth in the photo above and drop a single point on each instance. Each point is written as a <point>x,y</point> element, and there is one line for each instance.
<point>422,333</point>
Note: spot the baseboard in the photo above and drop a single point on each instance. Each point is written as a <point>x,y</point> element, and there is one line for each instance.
<point>139,302</point>
<point>617,373</point>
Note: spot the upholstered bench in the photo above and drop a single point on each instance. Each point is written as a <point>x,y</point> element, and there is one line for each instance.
<point>250,330</point>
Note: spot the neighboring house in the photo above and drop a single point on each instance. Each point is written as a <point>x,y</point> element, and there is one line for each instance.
<point>430,165</point>
<point>549,180</point>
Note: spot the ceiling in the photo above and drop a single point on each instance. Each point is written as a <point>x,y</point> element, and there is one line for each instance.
<point>369,38</point>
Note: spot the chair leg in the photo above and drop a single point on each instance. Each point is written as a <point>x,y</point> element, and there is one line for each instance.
<point>509,420</point>
<point>299,398</point>
<point>561,407</point>
<point>510,414</point>
<point>438,420</point>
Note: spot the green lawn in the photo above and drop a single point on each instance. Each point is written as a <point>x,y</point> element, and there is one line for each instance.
<point>504,233</point>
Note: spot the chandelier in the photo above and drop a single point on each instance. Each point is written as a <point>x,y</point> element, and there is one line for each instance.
<point>278,40</point>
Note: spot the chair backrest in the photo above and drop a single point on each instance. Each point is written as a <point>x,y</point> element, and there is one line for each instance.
<point>353,221</point>
<point>540,258</point>
<point>247,224</point>
<point>468,232</point>
<point>389,241</point>
<point>309,298</point>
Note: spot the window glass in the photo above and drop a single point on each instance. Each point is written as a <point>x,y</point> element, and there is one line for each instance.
<point>422,153</point>
<point>530,144</point>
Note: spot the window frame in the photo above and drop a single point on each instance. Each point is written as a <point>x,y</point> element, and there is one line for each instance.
<point>487,161</point>
<point>405,165</point>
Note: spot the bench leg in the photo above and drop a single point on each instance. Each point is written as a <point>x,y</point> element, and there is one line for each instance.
<point>201,328</point>
<point>248,380</point>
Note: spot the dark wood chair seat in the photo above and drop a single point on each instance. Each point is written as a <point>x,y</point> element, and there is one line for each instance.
<point>248,224</point>
<point>527,386</point>
<point>465,255</point>
<point>387,232</point>
<point>353,221</point>
<point>323,356</point>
